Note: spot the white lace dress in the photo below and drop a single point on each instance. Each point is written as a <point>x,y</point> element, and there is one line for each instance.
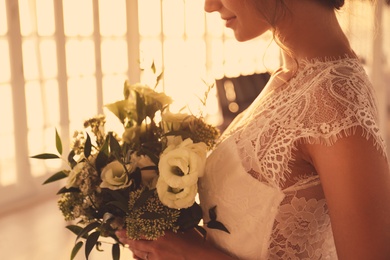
<point>270,200</point>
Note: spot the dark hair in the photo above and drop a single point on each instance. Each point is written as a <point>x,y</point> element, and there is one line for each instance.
<point>336,4</point>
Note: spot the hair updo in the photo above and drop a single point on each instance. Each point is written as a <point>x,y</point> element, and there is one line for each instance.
<point>336,4</point>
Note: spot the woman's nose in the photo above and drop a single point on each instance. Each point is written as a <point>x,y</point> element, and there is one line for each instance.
<point>212,5</point>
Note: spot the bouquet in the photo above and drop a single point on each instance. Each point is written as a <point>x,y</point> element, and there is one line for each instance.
<point>144,181</point>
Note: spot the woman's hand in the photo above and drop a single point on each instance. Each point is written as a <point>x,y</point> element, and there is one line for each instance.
<point>181,245</point>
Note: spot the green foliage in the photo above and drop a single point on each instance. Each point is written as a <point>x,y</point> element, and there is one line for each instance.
<point>213,223</point>
<point>58,143</point>
<point>55,177</point>
<point>76,249</point>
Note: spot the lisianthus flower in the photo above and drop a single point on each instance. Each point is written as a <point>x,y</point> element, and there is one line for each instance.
<point>175,121</point>
<point>73,175</point>
<point>151,96</point>
<point>181,165</point>
<point>114,176</point>
<point>177,198</point>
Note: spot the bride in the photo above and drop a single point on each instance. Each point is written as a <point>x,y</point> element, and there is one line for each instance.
<point>303,172</point>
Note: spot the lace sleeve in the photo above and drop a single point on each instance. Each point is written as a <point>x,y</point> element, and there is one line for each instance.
<point>336,105</point>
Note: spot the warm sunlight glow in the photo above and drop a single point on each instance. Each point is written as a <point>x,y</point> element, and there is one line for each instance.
<point>114,56</point>
<point>194,18</point>
<point>112,17</point>
<point>80,90</point>
<point>80,56</point>
<point>27,22</point>
<point>173,19</point>
<point>113,88</point>
<point>4,62</point>
<point>30,60</point>
<point>78,17</point>
<point>47,49</point>
<point>34,105</point>
<point>45,17</point>
<point>3,18</point>
<point>7,156</point>
<point>149,18</point>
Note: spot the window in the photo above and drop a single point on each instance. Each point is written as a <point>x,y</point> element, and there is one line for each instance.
<point>61,61</point>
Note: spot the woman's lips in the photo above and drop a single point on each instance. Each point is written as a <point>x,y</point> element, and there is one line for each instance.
<point>229,21</point>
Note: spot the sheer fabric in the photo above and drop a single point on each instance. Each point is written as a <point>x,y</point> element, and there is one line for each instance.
<point>268,197</point>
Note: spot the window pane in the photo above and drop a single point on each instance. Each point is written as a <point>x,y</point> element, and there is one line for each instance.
<point>4,62</point>
<point>114,56</point>
<point>78,17</point>
<point>30,59</point>
<point>214,24</point>
<point>27,21</point>
<point>195,18</point>
<point>48,58</point>
<point>42,140</point>
<point>113,88</point>
<point>45,17</point>
<point>7,156</point>
<point>82,101</point>
<point>3,18</point>
<point>112,17</point>
<point>149,12</point>
<point>34,105</point>
<point>42,104</point>
<point>173,18</point>
<point>80,57</point>
<point>151,51</point>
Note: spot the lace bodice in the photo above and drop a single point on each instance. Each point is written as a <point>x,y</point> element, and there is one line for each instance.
<point>271,202</point>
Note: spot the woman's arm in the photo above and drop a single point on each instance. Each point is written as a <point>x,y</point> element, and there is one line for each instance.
<point>188,245</point>
<point>356,181</point>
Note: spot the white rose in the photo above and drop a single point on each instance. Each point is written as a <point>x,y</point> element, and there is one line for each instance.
<point>181,166</point>
<point>114,176</point>
<point>72,177</point>
<point>176,198</point>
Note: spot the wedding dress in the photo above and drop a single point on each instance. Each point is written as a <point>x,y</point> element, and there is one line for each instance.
<point>272,204</point>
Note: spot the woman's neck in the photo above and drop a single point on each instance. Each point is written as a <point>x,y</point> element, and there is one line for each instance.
<point>310,30</point>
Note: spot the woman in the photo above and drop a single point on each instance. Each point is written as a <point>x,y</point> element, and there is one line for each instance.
<point>303,172</point>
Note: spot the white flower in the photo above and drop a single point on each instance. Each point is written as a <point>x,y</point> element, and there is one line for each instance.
<point>176,198</point>
<point>132,134</point>
<point>72,177</point>
<point>114,176</point>
<point>181,165</point>
<point>175,121</point>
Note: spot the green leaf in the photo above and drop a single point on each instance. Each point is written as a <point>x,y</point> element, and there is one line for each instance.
<point>65,190</point>
<point>45,156</point>
<point>88,228</point>
<point>114,145</point>
<point>72,161</point>
<point>140,106</point>
<point>202,231</point>
<point>102,157</point>
<point>92,240</point>
<point>120,205</point>
<point>87,147</point>
<point>212,213</point>
<point>55,177</point>
<point>159,77</point>
<point>116,253</point>
<point>58,143</point>
<point>76,230</point>
<point>76,249</point>
<point>213,224</point>
<point>119,109</point>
